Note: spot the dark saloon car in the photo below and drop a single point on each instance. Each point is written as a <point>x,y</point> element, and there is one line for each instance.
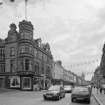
<point>54,92</point>
<point>68,88</point>
<point>80,93</point>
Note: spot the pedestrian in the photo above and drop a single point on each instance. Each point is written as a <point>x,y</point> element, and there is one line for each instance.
<point>101,90</point>
<point>104,90</point>
<point>97,89</point>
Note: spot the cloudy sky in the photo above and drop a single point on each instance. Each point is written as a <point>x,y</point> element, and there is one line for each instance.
<point>75,29</point>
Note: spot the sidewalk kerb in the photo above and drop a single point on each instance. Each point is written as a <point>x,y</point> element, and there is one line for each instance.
<point>98,101</point>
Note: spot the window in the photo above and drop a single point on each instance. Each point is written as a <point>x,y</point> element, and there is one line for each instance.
<point>37,68</point>
<point>22,49</point>
<point>44,57</point>
<point>22,35</point>
<point>2,68</point>
<point>12,51</point>
<point>42,70</point>
<point>12,67</point>
<point>21,65</point>
<point>30,49</point>
<point>26,64</point>
<point>26,83</point>
<point>48,71</point>
<point>25,49</point>
<point>2,55</point>
<point>40,55</point>
<point>35,52</point>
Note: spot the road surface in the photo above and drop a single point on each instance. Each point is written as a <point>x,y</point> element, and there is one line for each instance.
<point>36,98</point>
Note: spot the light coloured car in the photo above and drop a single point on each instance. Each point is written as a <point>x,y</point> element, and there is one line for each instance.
<point>68,88</point>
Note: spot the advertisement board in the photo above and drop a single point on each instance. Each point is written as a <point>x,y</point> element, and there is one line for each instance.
<point>15,82</point>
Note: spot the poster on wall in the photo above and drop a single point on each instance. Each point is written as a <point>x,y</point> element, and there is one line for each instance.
<point>15,82</point>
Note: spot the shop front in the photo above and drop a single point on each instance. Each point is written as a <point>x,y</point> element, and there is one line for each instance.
<point>26,83</point>
<point>26,80</point>
<point>2,81</point>
<point>15,82</point>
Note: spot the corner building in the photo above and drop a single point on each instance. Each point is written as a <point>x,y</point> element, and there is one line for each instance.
<point>25,63</point>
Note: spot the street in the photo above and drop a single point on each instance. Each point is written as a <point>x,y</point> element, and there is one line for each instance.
<point>35,98</point>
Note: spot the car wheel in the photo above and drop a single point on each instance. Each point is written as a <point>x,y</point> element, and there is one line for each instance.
<point>64,96</point>
<point>72,100</point>
<point>59,97</point>
<point>44,98</point>
<point>88,101</point>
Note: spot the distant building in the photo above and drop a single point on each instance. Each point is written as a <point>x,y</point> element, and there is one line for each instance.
<point>98,79</point>
<point>24,61</point>
<point>62,76</point>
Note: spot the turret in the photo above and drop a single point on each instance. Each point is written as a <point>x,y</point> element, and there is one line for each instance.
<point>26,30</point>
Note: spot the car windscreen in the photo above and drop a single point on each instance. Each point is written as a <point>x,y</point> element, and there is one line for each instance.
<point>76,90</point>
<point>54,88</point>
<point>67,87</point>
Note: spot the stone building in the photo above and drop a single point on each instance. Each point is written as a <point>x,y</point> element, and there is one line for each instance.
<point>61,75</point>
<point>24,61</point>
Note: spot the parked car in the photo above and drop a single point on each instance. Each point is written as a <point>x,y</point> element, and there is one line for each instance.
<point>81,93</point>
<point>68,88</point>
<point>54,92</point>
<point>103,86</point>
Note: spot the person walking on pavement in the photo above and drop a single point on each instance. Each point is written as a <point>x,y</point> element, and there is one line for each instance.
<point>100,90</point>
<point>97,89</point>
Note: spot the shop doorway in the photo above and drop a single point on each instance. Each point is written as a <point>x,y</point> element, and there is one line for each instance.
<point>26,83</point>
<point>2,82</point>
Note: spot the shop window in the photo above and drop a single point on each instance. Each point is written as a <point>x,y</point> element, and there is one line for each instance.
<point>26,83</point>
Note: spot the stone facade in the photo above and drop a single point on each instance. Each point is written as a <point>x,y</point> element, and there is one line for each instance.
<point>25,59</point>
<point>62,76</point>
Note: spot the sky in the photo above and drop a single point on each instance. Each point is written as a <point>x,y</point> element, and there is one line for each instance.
<point>74,29</point>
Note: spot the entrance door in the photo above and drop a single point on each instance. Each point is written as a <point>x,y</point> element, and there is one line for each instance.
<point>26,83</point>
<point>2,83</point>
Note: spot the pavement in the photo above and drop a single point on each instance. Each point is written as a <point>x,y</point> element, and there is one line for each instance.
<point>11,91</point>
<point>3,90</point>
<point>99,97</point>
